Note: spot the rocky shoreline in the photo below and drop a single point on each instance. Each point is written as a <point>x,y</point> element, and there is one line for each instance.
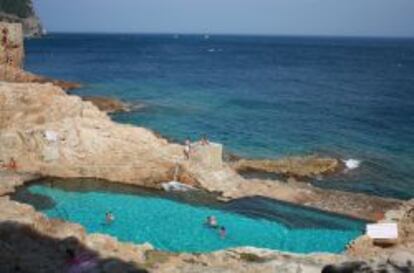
<point>86,144</point>
<point>18,75</point>
<point>46,132</point>
<point>55,134</point>
<point>291,167</point>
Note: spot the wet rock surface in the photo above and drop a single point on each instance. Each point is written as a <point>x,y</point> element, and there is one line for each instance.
<point>108,105</point>
<point>298,167</point>
<point>18,75</point>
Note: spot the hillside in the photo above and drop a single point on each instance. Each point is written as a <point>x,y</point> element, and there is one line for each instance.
<point>21,11</point>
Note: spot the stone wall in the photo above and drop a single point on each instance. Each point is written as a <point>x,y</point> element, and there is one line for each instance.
<point>11,44</point>
<point>209,155</point>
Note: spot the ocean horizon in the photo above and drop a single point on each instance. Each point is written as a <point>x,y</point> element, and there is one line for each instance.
<point>261,96</point>
<point>241,35</point>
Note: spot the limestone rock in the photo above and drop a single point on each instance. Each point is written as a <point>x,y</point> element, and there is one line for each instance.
<point>12,58</point>
<point>108,105</point>
<point>208,154</point>
<point>363,246</point>
<point>114,266</point>
<point>16,74</point>
<point>376,265</point>
<point>85,143</point>
<point>402,259</point>
<point>308,166</point>
<point>11,45</point>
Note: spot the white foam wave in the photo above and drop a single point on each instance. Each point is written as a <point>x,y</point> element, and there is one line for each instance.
<point>352,163</point>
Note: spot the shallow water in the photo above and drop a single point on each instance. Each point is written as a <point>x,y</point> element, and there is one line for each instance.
<point>260,96</point>
<point>175,222</point>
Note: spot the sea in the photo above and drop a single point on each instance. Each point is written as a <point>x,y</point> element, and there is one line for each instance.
<point>260,96</point>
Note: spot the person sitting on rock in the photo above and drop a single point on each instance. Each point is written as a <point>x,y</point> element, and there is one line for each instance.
<point>204,140</point>
<point>7,45</point>
<point>12,165</point>
<point>5,41</point>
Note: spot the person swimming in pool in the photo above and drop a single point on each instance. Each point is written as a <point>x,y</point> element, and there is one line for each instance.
<point>223,232</point>
<point>109,217</point>
<point>212,221</point>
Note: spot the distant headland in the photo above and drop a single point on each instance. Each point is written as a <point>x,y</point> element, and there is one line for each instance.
<point>21,11</point>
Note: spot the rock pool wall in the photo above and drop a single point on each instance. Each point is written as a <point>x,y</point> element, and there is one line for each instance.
<point>31,242</point>
<point>11,44</point>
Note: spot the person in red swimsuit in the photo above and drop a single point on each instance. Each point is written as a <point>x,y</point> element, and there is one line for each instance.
<point>12,165</point>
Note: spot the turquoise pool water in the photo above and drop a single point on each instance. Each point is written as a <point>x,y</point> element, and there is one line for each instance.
<point>175,225</point>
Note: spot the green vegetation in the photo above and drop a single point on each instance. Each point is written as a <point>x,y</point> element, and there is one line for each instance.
<point>20,8</point>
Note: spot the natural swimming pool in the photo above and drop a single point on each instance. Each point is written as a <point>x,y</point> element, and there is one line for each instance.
<point>175,222</point>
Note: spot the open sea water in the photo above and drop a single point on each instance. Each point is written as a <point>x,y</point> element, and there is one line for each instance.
<point>262,97</point>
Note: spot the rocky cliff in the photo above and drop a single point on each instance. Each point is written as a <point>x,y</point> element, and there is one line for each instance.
<point>11,48</point>
<point>12,59</point>
<point>50,133</point>
<point>47,132</point>
<point>21,11</point>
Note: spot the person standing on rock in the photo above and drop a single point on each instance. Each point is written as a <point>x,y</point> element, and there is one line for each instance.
<point>187,148</point>
<point>4,42</point>
<point>5,45</point>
